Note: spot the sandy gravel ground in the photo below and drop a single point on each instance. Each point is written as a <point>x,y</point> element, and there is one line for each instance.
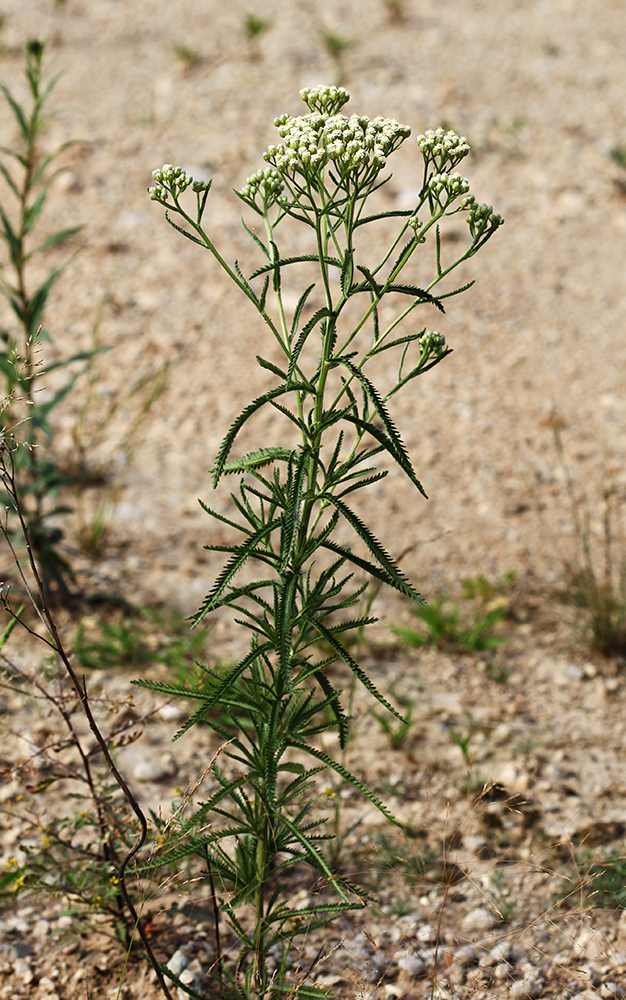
<point>538,88</point>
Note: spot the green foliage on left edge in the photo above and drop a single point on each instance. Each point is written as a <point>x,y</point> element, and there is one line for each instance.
<point>28,173</point>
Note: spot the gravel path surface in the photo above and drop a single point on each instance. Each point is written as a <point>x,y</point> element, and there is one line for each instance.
<point>538,89</point>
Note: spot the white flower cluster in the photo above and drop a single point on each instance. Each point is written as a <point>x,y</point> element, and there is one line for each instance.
<point>443,147</point>
<point>431,342</point>
<point>175,180</point>
<point>267,183</point>
<point>452,185</point>
<point>355,143</point>
<point>168,178</point>
<point>326,100</point>
<point>481,218</point>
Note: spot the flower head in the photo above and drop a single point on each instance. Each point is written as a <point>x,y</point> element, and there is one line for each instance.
<point>173,180</point>
<point>266,184</point>
<point>326,100</point>
<point>447,187</point>
<point>356,146</point>
<point>481,219</point>
<point>431,344</point>
<point>443,149</point>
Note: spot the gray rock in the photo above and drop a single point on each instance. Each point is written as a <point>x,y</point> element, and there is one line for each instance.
<point>501,952</point>
<point>155,769</point>
<point>23,971</point>
<point>612,990</point>
<point>467,955</point>
<point>41,929</point>
<point>189,979</point>
<point>178,963</point>
<point>479,919</point>
<point>503,971</point>
<point>528,988</point>
<point>407,960</point>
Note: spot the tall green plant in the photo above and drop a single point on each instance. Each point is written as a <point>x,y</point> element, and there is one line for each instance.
<point>28,173</point>
<point>281,696</point>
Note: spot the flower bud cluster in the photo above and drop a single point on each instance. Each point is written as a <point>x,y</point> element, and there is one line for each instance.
<point>168,178</point>
<point>266,183</point>
<point>432,344</point>
<point>173,180</point>
<point>452,185</point>
<point>481,218</point>
<point>353,144</point>
<point>326,100</point>
<point>443,148</point>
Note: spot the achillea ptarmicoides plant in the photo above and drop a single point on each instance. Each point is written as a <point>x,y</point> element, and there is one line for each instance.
<point>272,706</point>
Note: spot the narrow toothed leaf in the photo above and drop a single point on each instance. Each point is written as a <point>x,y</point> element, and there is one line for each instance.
<point>375,548</point>
<point>304,334</point>
<point>271,367</point>
<point>256,239</point>
<point>349,777</point>
<point>244,416</point>
<point>350,662</point>
<point>347,272</point>
<point>298,311</point>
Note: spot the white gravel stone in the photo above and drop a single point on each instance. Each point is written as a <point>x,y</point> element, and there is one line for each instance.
<point>22,971</point>
<point>479,919</point>
<point>156,769</point>
<point>178,963</point>
<point>41,929</point>
<point>189,979</point>
<point>170,712</point>
<point>612,990</point>
<point>409,962</point>
<point>527,988</point>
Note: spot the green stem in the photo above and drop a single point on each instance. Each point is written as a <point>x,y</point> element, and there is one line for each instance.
<point>258,975</point>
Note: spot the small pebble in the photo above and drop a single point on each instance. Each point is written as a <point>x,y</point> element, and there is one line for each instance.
<point>502,971</point>
<point>189,979</point>
<point>612,990</point>
<point>170,712</point>
<point>41,929</point>
<point>479,919</point>
<point>178,963</point>
<point>149,770</point>
<point>409,962</point>
<point>23,971</point>
<point>527,989</point>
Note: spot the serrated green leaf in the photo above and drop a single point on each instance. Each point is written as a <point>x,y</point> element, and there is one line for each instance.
<point>271,367</point>
<point>350,662</point>
<point>298,310</point>
<point>4,636</point>
<point>347,272</point>
<point>349,777</point>
<point>257,459</point>
<point>244,416</point>
<point>7,176</point>
<point>304,258</point>
<point>304,334</point>
<point>394,576</point>
<point>389,445</point>
<point>252,234</point>
<point>396,213</point>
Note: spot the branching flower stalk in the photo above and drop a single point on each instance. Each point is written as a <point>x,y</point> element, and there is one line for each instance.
<point>281,696</point>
